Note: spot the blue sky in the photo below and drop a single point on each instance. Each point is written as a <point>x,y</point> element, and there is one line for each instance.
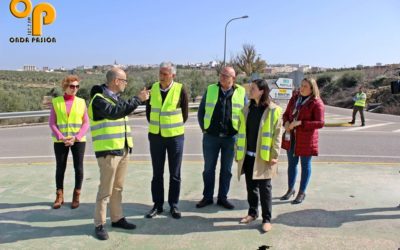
<point>315,32</point>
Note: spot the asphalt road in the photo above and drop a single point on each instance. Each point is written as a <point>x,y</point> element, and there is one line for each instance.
<point>377,142</point>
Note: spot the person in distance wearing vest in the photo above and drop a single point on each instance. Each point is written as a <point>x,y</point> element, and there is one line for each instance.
<point>166,111</point>
<point>359,105</point>
<point>69,123</point>
<point>218,117</point>
<point>112,141</point>
<point>257,150</point>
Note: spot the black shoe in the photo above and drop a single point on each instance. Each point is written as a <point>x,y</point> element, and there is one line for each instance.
<point>362,125</point>
<point>122,223</point>
<point>299,198</point>
<point>226,204</point>
<point>175,213</point>
<point>154,212</point>
<point>352,123</point>
<point>204,202</point>
<point>288,194</point>
<point>101,233</point>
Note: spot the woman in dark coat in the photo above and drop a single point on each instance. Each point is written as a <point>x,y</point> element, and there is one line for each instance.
<point>302,118</point>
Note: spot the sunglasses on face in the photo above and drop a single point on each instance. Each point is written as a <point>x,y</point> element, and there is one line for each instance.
<point>73,86</point>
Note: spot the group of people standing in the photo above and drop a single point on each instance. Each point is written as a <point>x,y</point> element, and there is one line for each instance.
<point>234,128</point>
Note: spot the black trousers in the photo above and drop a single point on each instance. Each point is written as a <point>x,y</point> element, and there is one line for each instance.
<point>61,152</point>
<point>257,188</point>
<point>355,110</point>
<point>159,146</point>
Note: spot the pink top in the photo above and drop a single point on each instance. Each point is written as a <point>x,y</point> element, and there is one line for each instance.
<point>69,100</point>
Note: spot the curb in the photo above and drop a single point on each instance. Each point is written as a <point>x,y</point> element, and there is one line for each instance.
<point>338,124</point>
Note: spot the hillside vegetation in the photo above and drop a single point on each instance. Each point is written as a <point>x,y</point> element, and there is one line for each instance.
<point>338,88</point>
<point>24,91</point>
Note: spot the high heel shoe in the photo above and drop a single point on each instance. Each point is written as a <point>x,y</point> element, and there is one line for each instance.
<point>299,198</point>
<point>289,193</point>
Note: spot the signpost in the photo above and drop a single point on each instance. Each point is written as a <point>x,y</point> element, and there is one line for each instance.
<point>284,94</point>
<point>284,83</point>
<point>284,89</point>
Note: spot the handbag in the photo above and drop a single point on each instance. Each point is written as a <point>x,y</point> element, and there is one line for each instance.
<point>285,144</point>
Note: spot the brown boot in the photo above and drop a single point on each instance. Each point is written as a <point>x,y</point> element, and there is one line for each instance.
<point>75,198</point>
<point>59,199</point>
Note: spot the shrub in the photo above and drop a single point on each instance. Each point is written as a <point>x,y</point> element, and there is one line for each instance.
<point>323,80</point>
<point>350,79</point>
<point>379,81</point>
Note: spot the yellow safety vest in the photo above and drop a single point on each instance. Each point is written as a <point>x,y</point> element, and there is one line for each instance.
<point>166,116</point>
<point>69,125</point>
<point>109,134</point>
<point>360,99</point>
<point>267,133</point>
<point>212,98</point>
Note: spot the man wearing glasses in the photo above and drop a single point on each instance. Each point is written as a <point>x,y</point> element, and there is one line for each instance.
<point>218,118</point>
<point>112,141</point>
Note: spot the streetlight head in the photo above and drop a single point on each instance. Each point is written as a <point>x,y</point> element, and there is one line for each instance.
<point>226,26</point>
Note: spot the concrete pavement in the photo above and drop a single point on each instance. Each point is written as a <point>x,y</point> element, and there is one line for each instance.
<point>348,206</point>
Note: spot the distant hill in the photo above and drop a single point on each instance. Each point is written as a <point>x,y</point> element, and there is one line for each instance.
<point>338,88</point>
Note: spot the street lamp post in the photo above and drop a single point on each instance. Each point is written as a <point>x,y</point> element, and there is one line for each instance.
<point>226,26</point>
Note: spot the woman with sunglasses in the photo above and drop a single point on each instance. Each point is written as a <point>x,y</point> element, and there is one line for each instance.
<point>257,150</point>
<point>69,123</point>
<point>303,116</point>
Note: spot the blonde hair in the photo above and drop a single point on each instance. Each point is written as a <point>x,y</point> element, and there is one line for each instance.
<point>314,86</point>
<point>68,79</point>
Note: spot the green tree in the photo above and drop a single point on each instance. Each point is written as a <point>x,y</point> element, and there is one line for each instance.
<point>135,84</point>
<point>10,102</point>
<point>196,83</point>
<point>84,93</point>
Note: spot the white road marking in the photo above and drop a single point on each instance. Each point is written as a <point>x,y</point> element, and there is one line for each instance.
<point>362,156</point>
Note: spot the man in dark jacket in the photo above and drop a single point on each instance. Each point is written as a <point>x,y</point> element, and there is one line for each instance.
<point>218,118</point>
<point>112,141</point>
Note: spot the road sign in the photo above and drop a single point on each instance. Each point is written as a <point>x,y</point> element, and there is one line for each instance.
<point>284,83</point>
<point>283,94</point>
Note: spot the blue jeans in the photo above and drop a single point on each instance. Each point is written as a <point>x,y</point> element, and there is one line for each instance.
<point>293,160</point>
<point>212,145</point>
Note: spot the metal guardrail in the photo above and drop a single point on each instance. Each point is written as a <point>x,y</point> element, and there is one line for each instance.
<point>44,113</point>
<point>372,107</point>
<point>24,114</point>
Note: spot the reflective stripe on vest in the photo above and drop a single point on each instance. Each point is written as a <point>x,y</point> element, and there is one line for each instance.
<point>360,99</point>
<point>69,125</point>
<point>166,116</point>
<point>109,134</point>
<point>212,98</point>
<point>266,135</point>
